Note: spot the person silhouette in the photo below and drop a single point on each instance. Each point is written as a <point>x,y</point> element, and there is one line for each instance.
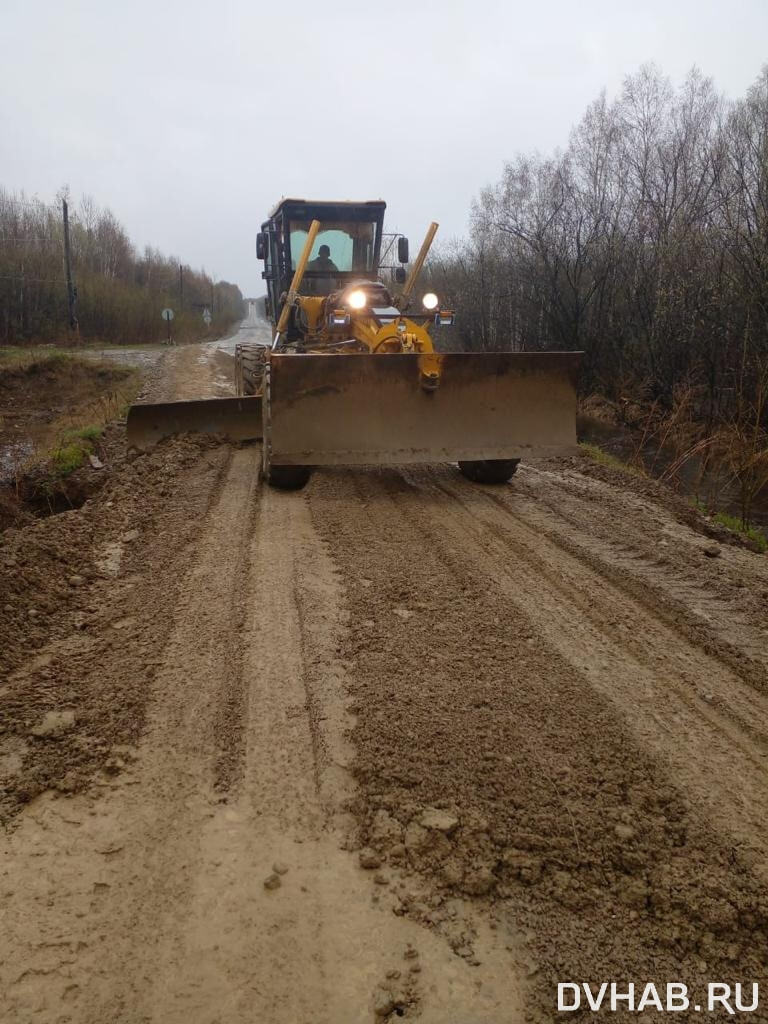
<point>323,261</point>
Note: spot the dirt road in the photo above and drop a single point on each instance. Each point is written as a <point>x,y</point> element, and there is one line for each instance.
<point>394,747</point>
<point>204,371</point>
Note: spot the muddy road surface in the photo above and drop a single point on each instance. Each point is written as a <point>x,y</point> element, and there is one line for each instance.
<point>206,370</point>
<point>394,747</point>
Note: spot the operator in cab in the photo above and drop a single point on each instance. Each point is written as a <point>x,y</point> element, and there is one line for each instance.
<point>323,261</point>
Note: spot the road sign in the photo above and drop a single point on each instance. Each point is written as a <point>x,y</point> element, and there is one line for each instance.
<point>167,315</point>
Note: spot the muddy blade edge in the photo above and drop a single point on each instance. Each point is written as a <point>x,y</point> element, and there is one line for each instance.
<point>369,409</point>
<point>236,419</point>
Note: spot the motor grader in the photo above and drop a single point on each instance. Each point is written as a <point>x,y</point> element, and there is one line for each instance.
<point>352,375</point>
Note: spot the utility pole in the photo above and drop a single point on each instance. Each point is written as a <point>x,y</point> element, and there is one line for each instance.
<point>71,292</point>
<point>181,288</point>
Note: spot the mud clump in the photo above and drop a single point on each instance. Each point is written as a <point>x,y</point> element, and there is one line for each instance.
<point>53,725</point>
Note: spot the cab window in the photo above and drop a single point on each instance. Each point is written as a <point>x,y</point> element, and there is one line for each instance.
<point>351,244</point>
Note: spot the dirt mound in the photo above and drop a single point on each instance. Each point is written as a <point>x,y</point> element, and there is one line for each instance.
<point>12,510</point>
<point>72,600</point>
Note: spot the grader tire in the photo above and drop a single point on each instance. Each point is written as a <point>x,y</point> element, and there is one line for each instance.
<point>489,471</point>
<point>249,369</point>
<point>288,478</point>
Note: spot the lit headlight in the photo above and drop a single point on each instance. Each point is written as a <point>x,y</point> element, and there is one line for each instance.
<point>430,301</point>
<point>357,299</point>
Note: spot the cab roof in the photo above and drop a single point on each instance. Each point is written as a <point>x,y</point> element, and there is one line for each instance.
<point>286,201</point>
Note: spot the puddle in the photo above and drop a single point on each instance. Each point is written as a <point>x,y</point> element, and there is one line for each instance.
<point>13,455</point>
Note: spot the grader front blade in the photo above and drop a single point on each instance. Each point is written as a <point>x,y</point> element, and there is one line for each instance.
<point>236,419</point>
<point>372,409</point>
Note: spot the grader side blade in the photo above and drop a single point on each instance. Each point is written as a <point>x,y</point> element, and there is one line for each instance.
<point>237,419</point>
<point>369,409</point>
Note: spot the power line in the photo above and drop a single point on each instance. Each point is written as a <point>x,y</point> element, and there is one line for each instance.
<point>33,238</point>
<point>37,281</point>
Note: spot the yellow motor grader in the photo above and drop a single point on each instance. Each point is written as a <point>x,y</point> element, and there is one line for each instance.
<point>352,376</point>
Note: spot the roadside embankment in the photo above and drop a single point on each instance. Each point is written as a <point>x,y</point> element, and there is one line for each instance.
<point>54,412</point>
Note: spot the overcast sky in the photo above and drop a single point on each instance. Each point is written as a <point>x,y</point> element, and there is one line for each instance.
<point>189,119</point>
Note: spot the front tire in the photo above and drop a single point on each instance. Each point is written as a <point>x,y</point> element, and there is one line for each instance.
<point>288,478</point>
<point>489,471</point>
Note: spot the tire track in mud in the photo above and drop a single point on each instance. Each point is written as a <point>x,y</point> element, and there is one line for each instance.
<point>684,703</point>
<point>122,868</point>
<point>232,699</point>
<point>145,901</point>
<point>708,614</point>
<point>565,817</point>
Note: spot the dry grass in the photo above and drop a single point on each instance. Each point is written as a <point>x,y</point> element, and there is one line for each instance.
<point>16,358</point>
<point>734,453</point>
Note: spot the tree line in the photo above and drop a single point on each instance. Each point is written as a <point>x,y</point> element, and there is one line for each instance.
<point>643,243</point>
<point>120,292</point>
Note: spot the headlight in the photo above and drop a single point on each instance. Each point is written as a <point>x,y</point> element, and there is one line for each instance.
<point>357,299</point>
<point>430,301</point>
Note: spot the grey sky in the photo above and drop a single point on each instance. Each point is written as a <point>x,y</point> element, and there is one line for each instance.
<point>189,119</point>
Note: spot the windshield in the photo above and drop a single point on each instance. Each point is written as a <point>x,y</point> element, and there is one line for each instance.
<point>339,246</point>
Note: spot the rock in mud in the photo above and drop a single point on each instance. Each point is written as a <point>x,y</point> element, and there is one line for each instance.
<point>439,820</point>
<point>452,873</point>
<point>369,859</point>
<point>386,829</point>
<point>272,881</point>
<point>383,1002</point>
<point>479,882</point>
<point>416,838</point>
<point>114,765</point>
<point>54,724</point>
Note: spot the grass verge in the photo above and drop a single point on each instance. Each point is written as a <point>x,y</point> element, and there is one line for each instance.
<point>597,454</point>
<point>16,358</point>
<point>61,404</point>
<point>74,448</point>
<point>754,534</point>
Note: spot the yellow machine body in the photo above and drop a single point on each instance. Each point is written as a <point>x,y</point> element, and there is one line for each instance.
<point>355,380</point>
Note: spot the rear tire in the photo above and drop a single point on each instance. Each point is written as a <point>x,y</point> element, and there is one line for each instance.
<point>250,363</point>
<point>489,471</point>
<point>288,478</point>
